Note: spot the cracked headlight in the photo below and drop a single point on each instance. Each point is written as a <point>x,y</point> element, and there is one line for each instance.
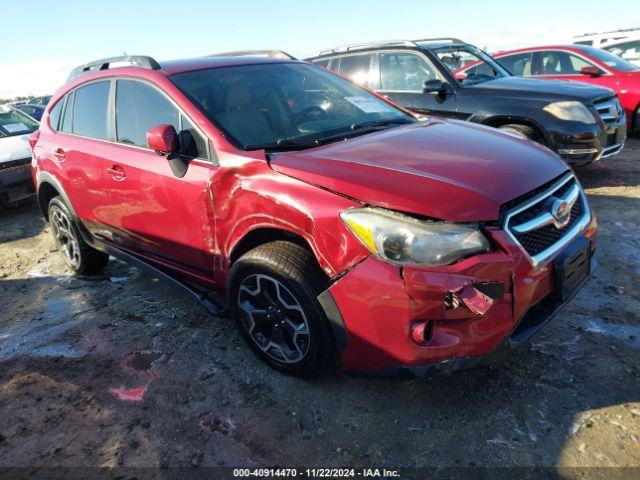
<point>404,240</point>
<point>573,111</point>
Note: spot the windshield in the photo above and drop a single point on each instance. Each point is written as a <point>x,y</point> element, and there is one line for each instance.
<point>470,65</point>
<point>285,104</point>
<point>609,59</point>
<point>14,122</point>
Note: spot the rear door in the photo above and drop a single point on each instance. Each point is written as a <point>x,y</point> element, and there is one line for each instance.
<point>80,151</point>
<point>356,67</point>
<point>155,212</point>
<point>401,76</point>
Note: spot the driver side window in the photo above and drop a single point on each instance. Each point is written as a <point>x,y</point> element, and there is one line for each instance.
<point>404,72</point>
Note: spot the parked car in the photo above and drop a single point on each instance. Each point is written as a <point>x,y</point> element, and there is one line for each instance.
<point>332,223</point>
<point>15,155</point>
<point>582,64</point>
<point>421,75</point>
<point>629,50</point>
<point>600,40</point>
<point>34,111</point>
<point>40,100</point>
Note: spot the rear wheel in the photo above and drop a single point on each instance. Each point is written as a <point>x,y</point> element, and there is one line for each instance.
<point>78,255</point>
<point>273,293</point>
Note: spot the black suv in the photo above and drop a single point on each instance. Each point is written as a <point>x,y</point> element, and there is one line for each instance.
<point>580,122</point>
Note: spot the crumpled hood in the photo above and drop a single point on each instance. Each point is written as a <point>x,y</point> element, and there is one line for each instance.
<point>14,148</point>
<point>442,169</point>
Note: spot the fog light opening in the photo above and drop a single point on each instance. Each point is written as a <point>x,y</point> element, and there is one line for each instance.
<point>422,333</point>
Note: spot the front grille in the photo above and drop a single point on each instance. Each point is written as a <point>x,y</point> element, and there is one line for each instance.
<point>532,225</point>
<point>609,110</point>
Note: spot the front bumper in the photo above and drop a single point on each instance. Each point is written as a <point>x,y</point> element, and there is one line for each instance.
<point>16,182</point>
<point>379,306</point>
<point>580,144</point>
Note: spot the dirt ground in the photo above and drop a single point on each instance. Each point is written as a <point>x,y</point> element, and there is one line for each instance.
<point>119,371</point>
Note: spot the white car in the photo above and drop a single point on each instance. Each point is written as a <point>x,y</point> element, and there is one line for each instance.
<point>601,40</point>
<point>628,50</point>
<point>16,183</point>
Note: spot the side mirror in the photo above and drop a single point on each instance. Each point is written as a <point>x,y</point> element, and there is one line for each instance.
<point>592,71</point>
<point>162,139</point>
<point>435,86</point>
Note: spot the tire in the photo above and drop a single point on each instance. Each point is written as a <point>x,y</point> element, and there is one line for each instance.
<point>78,255</point>
<point>522,131</point>
<point>273,293</point>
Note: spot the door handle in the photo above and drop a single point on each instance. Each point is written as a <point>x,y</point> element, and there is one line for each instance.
<point>60,154</point>
<point>116,172</point>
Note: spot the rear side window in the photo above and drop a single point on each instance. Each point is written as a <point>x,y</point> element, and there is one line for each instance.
<point>55,114</point>
<point>518,64</point>
<point>140,107</point>
<point>322,63</point>
<point>68,113</point>
<point>356,68</point>
<point>90,110</point>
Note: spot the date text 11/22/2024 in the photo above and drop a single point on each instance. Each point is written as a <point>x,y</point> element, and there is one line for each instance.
<point>316,473</point>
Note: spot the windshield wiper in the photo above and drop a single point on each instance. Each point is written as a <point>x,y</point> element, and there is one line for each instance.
<point>287,144</point>
<point>302,143</point>
<point>380,123</point>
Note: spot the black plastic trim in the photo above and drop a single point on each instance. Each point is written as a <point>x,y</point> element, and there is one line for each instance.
<point>334,316</point>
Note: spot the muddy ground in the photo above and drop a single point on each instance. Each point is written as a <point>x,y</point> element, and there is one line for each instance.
<point>119,371</point>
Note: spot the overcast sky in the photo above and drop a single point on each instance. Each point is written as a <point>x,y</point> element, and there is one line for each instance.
<point>43,40</point>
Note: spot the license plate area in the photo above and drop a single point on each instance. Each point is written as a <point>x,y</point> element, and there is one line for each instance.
<point>571,267</point>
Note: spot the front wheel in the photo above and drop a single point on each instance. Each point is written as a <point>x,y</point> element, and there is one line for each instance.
<point>522,131</point>
<point>273,293</point>
<point>78,255</point>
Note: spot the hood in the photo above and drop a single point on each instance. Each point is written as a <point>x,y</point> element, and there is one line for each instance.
<point>441,169</point>
<point>539,88</point>
<point>14,148</point>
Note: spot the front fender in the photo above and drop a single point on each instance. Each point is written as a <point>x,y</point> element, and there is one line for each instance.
<point>261,198</point>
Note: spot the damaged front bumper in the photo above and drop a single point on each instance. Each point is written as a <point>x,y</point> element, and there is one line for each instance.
<point>425,321</point>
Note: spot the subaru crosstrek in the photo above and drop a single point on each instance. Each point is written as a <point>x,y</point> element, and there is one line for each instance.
<point>331,223</point>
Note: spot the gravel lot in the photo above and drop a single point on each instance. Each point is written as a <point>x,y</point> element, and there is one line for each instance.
<point>119,371</point>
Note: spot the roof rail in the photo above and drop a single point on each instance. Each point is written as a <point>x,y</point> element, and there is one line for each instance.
<point>106,63</point>
<point>440,39</point>
<point>387,43</point>
<point>256,53</point>
<point>362,46</point>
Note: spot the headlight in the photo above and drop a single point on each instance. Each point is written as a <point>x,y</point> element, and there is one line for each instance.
<point>403,240</point>
<point>574,111</point>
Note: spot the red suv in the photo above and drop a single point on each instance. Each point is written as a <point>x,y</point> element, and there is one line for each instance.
<point>332,223</point>
<point>580,63</point>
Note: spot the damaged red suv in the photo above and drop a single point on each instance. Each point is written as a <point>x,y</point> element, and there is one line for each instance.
<point>331,223</point>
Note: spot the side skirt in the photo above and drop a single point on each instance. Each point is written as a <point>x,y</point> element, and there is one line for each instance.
<point>210,304</point>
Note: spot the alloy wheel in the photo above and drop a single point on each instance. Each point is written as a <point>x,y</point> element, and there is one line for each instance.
<point>65,236</point>
<point>273,318</point>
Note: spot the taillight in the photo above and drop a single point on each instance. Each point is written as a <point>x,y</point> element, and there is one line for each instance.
<point>33,139</point>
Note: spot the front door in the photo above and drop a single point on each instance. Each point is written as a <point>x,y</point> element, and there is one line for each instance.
<point>401,78</point>
<point>563,65</point>
<point>155,212</point>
